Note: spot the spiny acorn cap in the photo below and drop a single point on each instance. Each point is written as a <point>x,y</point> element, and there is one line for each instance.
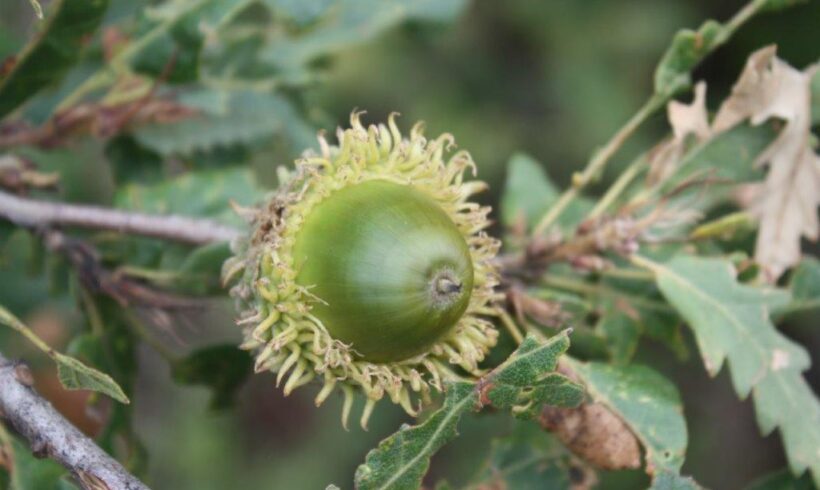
<point>411,301</point>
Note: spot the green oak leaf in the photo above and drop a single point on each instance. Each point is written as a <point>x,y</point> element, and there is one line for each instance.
<point>204,193</point>
<point>688,48</point>
<point>647,402</point>
<point>172,35</point>
<point>227,117</point>
<point>527,379</point>
<point>523,383</point>
<point>346,23</point>
<point>401,460</point>
<point>223,368</point>
<point>528,193</point>
<point>731,321</point>
<point>73,374</point>
<point>527,459</point>
<point>804,285</point>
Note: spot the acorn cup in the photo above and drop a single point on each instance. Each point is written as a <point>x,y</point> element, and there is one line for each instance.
<point>369,269</point>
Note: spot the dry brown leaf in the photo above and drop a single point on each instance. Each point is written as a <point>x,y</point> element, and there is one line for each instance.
<point>685,119</point>
<point>786,203</point>
<point>690,118</point>
<point>594,434</point>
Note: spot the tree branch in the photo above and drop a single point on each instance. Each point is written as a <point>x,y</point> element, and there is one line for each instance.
<point>49,434</point>
<point>33,213</point>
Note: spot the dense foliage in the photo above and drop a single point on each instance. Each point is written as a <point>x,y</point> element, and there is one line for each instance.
<point>666,256</point>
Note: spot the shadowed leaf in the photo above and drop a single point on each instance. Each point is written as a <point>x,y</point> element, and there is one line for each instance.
<point>223,368</point>
<point>57,47</point>
<point>528,459</point>
<point>529,193</point>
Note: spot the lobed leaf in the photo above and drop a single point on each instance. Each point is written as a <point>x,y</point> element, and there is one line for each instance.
<point>225,118</point>
<point>729,156</point>
<point>401,460</point>
<point>524,382</point>
<point>731,321</point>
<point>205,193</point>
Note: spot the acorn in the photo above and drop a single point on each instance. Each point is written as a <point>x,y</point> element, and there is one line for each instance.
<point>369,269</point>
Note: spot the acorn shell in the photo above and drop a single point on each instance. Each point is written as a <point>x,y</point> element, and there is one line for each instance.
<point>392,270</point>
<point>369,269</point>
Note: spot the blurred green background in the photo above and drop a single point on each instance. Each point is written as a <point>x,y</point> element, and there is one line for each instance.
<point>552,79</point>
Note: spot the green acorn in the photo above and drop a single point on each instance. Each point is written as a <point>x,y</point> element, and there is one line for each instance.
<point>369,269</point>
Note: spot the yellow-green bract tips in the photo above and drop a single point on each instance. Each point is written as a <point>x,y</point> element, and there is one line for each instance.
<point>369,270</point>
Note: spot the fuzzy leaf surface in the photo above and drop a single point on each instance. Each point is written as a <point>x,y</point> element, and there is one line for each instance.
<point>527,379</point>
<point>401,460</point>
<point>523,383</point>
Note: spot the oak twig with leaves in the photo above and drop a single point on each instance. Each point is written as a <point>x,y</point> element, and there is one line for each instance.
<point>181,107</point>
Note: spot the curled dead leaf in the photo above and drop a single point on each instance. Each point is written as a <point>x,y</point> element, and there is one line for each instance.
<point>686,120</point>
<point>786,203</point>
<point>595,434</point>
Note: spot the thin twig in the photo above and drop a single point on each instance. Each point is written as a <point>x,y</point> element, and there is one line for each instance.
<point>511,327</point>
<point>652,104</point>
<point>33,213</point>
<point>598,162</point>
<point>619,186</point>
<point>49,434</point>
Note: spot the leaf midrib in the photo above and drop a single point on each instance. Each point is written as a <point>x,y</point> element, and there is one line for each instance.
<point>738,326</point>
<point>426,448</point>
